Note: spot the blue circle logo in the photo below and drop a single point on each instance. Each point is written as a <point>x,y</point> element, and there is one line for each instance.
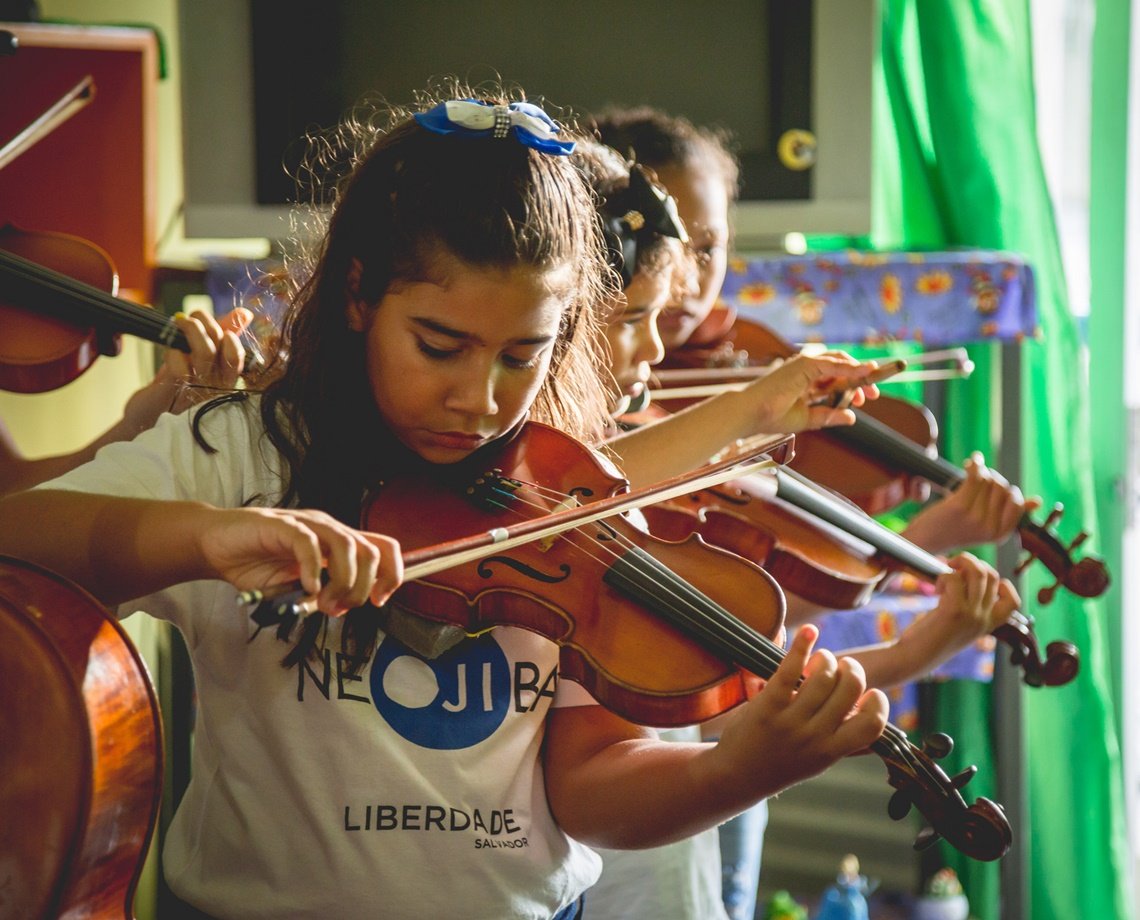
<point>445,703</point>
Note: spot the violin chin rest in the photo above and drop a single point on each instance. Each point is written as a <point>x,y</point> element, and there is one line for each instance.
<point>422,636</point>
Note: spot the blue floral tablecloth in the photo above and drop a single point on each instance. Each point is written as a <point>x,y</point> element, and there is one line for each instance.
<point>935,298</point>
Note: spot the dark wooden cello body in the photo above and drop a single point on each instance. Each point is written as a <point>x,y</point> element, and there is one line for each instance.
<point>80,752</point>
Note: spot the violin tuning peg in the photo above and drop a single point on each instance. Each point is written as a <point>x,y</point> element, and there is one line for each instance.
<point>1077,541</point>
<point>1045,595</point>
<point>899,806</point>
<point>1054,515</point>
<point>1024,564</point>
<point>926,838</point>
<point>958,780</point>
<point>937,745</point>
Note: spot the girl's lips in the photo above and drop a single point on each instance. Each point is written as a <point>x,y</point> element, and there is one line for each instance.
<point>455,440</point>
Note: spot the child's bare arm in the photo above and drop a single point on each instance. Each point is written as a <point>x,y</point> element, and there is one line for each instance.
<point>122,548</point>
<point>612,784</point>
<point>973,601</point>
<point>779,402</point>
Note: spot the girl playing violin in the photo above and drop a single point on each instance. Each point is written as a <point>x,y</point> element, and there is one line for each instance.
<point>683,879</point>
<point>454,296</point>
<point>215,362</point>
<point>698,168</point>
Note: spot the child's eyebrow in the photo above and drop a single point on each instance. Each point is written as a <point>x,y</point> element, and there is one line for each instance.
<point>442,329</point>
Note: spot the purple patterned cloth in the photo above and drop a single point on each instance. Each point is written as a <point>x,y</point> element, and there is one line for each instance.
<point>866,298</point>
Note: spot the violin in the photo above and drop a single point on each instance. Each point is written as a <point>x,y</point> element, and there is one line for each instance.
<point>661,633</point>
<point>59,311</point>
<point>900,449</point>
<point>887,456</point>
<point>830,552</point>
<point>82,752</point>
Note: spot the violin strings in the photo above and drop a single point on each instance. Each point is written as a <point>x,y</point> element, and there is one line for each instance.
<point>684,601</point>
<point>127,317</point>
<point>893,739</point>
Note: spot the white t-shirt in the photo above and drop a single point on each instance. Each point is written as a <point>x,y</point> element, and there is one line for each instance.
<point>680,881</point>
<point>414,789</point>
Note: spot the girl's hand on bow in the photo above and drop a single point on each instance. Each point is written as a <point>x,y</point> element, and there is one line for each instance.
<point>795,729</point>
<point>265,547</point>
<point>799,394</point>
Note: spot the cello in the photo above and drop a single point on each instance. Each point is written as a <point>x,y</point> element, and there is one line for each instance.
<point>82,752</point>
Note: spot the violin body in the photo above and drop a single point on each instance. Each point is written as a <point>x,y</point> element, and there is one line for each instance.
<point>82,752</point>
<point>823,565</point>
<point>40,351</point>
<point>566,588</point>
<point>873,483</point>
<point>59,312</point>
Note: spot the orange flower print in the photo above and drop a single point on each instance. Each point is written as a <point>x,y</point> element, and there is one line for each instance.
<point>890,292</point>
<point>886,626</point>
<point>809,308</point>
<point>935,282</point>
<point>989,329</point>
<point>755,295</point>
<point>738,266</point>
<point>831,285</point>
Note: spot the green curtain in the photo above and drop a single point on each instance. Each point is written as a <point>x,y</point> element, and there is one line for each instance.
<point>957,164</point>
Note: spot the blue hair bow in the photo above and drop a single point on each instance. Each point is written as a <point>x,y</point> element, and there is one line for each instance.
<point>529,124</point>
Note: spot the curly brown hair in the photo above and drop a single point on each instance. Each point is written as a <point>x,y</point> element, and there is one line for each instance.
<point>406,196</point>
<point>391,196</point>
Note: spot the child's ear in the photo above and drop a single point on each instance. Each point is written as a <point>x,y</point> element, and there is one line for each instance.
<point>356,311</point>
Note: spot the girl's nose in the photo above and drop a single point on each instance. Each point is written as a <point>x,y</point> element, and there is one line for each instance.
<point>649,346</point>
<point>474,393</point>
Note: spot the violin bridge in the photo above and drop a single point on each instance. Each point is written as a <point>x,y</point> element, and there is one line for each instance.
<point>569,502</point>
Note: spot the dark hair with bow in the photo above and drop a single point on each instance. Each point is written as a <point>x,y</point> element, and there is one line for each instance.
<point>402,195</point>
<point>636,214</point>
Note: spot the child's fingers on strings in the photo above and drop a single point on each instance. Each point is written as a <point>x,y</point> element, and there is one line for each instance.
<point>1008,602</point>
<point>846,682</point>
<point>865,724</point>
<point>786,679</point>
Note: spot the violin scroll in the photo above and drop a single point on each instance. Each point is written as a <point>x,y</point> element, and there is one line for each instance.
<point>980,830</point>
<point>1062,660</point>
<point>1085,578</point>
